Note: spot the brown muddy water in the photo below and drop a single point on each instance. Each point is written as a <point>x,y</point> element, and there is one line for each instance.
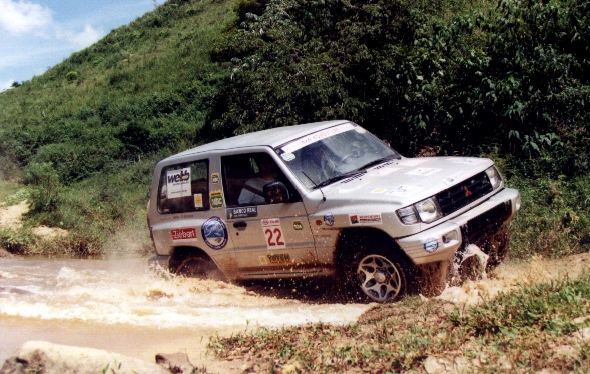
<point>123,306</point>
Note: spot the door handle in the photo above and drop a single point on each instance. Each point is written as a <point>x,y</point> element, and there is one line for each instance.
<point>240,225</point>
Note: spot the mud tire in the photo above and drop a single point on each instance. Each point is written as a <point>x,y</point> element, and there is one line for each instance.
<point>374,270</point>
<point>193,266</point>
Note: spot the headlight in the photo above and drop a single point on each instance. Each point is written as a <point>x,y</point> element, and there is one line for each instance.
<point>408,215</point>
<point>424,211</point>
<point>428,210</point>
<point>494,176</point>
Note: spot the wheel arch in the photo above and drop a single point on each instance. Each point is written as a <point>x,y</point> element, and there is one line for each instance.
<point>367,237</point>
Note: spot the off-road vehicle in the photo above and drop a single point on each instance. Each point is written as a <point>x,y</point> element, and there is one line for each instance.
<point>325,199</point>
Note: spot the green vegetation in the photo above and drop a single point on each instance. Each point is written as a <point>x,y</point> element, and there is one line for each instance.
<point>84,137</point>
<point>531,328</point>
<point>507,80</point>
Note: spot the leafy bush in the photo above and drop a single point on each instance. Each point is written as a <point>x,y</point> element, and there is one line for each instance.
<point>44,187</point>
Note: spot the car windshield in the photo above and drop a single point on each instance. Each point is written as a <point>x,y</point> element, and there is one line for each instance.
<point>326,156</point>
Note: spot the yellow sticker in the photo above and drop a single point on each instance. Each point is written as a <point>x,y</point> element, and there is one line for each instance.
<point>262,260</point>
<point>215,178</point>
<point>282,258</point>
<point>198,200</point>
<point>297,225</point>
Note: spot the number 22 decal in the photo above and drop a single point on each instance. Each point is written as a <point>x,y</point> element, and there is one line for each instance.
<point>273,241</point>
<point>273,233</point>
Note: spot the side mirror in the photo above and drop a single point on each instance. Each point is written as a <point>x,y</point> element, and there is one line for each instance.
<point>275,193</point>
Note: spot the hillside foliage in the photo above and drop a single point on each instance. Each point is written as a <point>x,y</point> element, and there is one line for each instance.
<point>513,75</point>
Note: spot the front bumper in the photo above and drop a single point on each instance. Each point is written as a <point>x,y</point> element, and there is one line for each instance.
<point>440,243</point>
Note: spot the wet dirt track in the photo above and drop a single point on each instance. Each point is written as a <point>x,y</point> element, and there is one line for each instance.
<point>121,305</point>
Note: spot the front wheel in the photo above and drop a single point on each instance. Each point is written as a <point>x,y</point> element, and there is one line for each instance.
<point>379,278</point>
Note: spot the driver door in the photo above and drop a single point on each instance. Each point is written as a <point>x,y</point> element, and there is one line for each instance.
<point>269,239</point>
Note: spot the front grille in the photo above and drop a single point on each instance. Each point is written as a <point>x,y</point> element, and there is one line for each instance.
<point>464,193</point>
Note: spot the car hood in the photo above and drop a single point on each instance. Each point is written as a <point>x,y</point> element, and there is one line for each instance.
<point>405,181</point>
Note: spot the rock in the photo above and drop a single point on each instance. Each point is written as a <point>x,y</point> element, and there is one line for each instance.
<point>5,254</point>
<point>432,366</point>
<point>48,358</point>
<point>177,363</point>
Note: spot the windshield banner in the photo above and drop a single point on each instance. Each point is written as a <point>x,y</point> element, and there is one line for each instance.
<point>316,137</point>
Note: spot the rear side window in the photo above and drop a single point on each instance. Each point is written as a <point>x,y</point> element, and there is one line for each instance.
<point>184,188</point>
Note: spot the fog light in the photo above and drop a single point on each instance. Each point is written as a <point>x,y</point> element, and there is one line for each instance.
<point>450,236</point>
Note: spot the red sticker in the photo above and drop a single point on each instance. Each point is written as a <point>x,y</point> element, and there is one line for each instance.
<point>184,234</point>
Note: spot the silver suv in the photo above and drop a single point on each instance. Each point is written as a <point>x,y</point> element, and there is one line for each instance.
<point>325,199</point>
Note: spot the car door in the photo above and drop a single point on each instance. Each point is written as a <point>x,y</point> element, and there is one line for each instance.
<point>270,239</point>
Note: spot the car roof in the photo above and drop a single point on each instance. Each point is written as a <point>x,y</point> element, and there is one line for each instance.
<point>270,138</point>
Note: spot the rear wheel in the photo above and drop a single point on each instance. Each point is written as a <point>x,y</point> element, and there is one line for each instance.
<point>196,267</point>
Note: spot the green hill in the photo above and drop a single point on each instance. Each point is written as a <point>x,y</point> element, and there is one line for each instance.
<point>507,80</point>
<point>86,134</point>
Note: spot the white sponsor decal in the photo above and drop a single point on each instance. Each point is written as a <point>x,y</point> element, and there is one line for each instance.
<point>178,183</point>
<point>365,219</point>
<point>316,137</point>
<point>348,190</point>
<point>383,171</point>
<point>423,171</point>
<point>405,190</point>
<point>271,228</point>
<point>412,161</point>
<point>468,161</point>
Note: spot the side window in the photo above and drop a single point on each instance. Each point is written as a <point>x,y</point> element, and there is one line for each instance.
<point>184,188</point>
<point>245,177</point>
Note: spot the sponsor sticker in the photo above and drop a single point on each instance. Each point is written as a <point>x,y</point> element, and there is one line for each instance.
<point>184,234</point>
<point>198,198</point>
<point>281,258</point>
<point>262,260</point>
<point>431,245</point>
<point>383,171</point>
<point>404,190</point>
<point>297,225</point>
<point>271,228</point>
<point>216,199</point>
<point>348,190</point>
<point>329,219</point>
<point>411,161</point>
<point>215,178</point>
<point>453,178</point>
<point>365,219</point>
<point>379,190</point>
<point>178,183</point>
<point>288,156</point>
<point>244,212</point>
<point>214,233</point>
<point>316,137</point>
<point>425,172</point>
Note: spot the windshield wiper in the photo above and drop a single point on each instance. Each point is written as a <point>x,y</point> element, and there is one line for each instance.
<point>379,161</point>
<point>340,177</point>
